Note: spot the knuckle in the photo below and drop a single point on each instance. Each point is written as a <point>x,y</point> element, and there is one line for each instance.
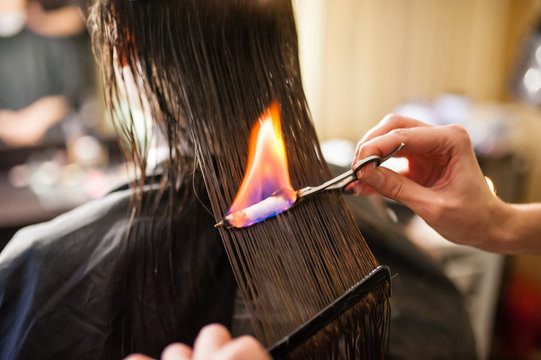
<point>398,132</point>
<point>362,150</point>
<point>212,328</point>
<point>460,133</point>
<point>390,119</point>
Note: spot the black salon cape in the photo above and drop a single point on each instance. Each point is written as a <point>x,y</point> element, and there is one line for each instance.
<point>54,289</point>
<point>53,293</point>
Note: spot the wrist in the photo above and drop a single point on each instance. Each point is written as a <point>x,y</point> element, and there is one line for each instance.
<point>526,228</point>
<point>518,229</point>
<point>504,228</point>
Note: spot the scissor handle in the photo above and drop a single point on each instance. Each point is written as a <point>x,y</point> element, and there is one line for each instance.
<point>352,174</point>
<point>341,181</point>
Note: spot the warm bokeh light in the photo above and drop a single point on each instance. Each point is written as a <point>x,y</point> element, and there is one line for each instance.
<point>267,175</point>
<point>490,185</point>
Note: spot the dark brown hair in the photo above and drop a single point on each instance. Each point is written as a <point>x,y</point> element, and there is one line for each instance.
<point>208,69</point>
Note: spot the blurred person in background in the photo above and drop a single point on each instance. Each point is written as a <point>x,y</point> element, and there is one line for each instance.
<point>46,69</point>
<point>56,18</point>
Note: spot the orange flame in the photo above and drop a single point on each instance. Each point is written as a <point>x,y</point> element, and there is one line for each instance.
<point>267,173</point>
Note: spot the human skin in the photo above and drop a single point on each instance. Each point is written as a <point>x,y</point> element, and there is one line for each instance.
<point>445,186</point>
<point>27,126</point>
<point>11,5</point>
<point>65,21</point>
<point>214,342</point>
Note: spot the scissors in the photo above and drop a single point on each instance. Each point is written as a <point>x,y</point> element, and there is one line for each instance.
<point>342,181</point>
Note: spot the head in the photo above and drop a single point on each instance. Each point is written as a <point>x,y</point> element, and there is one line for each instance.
<point>191,58</point>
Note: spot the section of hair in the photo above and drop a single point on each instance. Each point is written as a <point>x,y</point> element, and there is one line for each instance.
<point>208,69</point>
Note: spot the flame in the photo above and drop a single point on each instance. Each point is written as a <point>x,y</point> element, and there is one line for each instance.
<point>267,174</point>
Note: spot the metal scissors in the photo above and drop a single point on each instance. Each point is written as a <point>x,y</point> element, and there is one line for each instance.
<point>341,181</point>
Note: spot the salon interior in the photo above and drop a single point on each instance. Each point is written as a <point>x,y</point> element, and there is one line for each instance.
<point>476,63</point>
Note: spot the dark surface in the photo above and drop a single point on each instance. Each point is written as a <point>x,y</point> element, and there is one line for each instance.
<point>428,316</point>
<point>381,276</point>
<point>57,283</point>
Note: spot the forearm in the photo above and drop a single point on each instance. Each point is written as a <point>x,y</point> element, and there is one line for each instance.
<point>66,21</point>
<point>46,111</point>
<point>521,230</point>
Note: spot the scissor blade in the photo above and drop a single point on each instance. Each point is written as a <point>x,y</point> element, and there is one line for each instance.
<point>343,180</point>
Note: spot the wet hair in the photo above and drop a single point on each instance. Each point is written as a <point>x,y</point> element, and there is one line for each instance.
<point>205,70</point>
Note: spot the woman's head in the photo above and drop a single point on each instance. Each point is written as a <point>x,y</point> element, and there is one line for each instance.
<point>197,62</point>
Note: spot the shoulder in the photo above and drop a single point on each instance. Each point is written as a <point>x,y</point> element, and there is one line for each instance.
<point>93,219</point>
<point>48,271</point>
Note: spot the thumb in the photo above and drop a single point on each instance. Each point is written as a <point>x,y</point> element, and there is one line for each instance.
<point>396,186</point>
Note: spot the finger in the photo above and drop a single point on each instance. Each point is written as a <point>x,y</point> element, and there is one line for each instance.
<point>433,141</point>
<point>360,188</point>
<point>398,187</point>
<point>361,173</point>
<point>243,348</point>
<point>388,124</point>
<point>210,339</point>
<point>391,122</point>
<point>177,351</point>
<point>138,357</point>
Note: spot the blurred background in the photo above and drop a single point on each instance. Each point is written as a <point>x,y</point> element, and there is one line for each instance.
<point>56,148</point>
<point>472,62</point>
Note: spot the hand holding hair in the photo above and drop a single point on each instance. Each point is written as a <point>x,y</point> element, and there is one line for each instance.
<point>445,186</point>
<point>213,343</point>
